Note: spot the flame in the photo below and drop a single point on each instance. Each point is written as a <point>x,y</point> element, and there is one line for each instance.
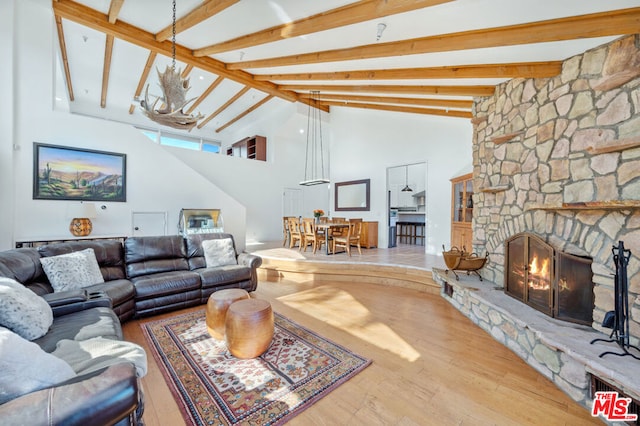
<point>538,274</point>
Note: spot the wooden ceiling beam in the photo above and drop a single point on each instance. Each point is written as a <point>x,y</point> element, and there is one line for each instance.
<point>201,13</point>
<point>106,70</point>
<point>427,111</point>
<point>206,93</point>
<point>88,17</point>
<point>143,78</point>
<point>65,58</point>
<point>244,113</point>
<point>610,23</point>
<point>396,89</point>
<point>114,10</point>
<point>511,70</point>
<point>223,107</point>
<point>429,102</point>
<point>354,13</point>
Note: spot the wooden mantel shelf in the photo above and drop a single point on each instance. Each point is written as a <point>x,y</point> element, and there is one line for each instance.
<point>615,146</point>
<point>593,205</point>
<point>496,188</point>
<point>505,138</point>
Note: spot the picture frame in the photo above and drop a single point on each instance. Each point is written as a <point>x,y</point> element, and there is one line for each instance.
<point>69,173</point>
<point>352,195</point>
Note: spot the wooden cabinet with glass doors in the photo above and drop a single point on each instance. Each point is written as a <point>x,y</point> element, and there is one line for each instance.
<point>462,211</point>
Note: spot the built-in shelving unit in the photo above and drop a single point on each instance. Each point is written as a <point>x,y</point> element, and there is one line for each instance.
<point>505,138</point>
<point>253,148</point>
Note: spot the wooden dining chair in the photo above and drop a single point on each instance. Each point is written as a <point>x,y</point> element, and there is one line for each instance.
<point>351,238</point>
<point>285,230</point>
<point>295,233</point>
<point>311,236</point>
<point>338,232</point>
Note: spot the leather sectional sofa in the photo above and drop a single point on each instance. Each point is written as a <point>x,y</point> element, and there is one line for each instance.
<point>144,276</point>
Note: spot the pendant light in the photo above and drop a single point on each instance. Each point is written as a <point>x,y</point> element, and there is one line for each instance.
<point>406,180</point>
<point>314,155</point>
<point>174,94</point>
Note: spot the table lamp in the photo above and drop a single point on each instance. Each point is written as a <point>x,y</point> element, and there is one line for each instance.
<point>81,215</point>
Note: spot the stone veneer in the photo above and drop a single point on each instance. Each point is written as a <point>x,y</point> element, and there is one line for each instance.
<point>555,122</point>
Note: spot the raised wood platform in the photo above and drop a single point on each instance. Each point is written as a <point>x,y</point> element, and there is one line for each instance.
<point>416,278</point>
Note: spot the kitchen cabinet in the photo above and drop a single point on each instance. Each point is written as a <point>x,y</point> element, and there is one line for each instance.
<point>462,211</point>
<point>369,235</point>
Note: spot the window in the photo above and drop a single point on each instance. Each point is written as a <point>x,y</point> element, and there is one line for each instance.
<point>180,141</point>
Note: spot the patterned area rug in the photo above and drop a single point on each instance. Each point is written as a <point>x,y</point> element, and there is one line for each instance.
<point>214,388</point>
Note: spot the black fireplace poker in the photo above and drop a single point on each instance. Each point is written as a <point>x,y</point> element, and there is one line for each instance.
<point>619,318</point>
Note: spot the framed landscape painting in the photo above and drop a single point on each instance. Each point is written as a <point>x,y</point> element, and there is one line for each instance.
<point>65,173</point>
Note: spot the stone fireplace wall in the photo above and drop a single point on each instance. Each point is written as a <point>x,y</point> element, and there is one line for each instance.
<point>538,156</point>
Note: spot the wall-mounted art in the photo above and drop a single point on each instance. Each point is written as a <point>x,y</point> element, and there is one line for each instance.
<point>66,173</point>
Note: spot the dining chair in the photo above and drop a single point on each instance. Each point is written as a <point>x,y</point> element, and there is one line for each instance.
<point>311,235</point>
<point>285,230</point>
<point>351,238</point>
<point>295,233</point>
<point>338,232</point>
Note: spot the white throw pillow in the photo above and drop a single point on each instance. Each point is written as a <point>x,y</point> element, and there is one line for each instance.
<point>25,367</point>
<point>72,271</point>
<point>219,252</point>
<point>23,311</point>
<point>93,354</point>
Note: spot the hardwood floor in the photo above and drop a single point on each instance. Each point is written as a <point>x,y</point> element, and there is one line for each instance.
<point>431,365</point>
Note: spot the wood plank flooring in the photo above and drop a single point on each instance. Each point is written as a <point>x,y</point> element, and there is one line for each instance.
<point>431,365</point>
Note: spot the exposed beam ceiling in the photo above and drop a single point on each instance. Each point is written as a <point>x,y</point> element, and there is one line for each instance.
<point>240,57</point>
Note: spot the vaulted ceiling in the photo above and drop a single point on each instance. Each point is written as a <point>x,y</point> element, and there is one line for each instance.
<point>245,56</point>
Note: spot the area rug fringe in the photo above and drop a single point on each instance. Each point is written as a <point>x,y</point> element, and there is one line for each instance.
<point>212,387</point>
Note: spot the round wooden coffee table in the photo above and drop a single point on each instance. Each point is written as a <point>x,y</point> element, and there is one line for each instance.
<point>217,307</point>
<point>249,328</point>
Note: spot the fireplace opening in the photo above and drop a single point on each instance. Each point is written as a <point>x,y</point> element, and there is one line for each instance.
<point>556,283</point>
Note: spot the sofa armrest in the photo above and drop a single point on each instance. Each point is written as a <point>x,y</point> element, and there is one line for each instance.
<point>94,300</point>
<point>251,260</point>
<point>66,297</point>
<point>105,398</point>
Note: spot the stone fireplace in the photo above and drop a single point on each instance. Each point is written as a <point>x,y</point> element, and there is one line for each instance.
<point>558,158</point>
<point>557,284</point>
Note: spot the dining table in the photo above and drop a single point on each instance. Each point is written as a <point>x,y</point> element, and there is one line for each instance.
<point>328,227</point>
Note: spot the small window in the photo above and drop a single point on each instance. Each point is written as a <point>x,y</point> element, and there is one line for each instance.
<point>179,141</point>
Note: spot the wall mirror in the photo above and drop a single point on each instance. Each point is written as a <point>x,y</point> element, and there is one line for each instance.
<point>352,195</point>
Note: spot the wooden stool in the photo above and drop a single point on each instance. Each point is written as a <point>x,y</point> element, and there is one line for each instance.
<point>217,306</point>
<point>249,328</point>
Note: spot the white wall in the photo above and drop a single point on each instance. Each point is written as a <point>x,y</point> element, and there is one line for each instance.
<point>359,144</point>
<point>156,181</point>
<point>7,52</point>
<point>366,142</point>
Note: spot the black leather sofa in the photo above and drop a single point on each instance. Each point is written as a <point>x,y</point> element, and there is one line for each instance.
<point>143,276</point>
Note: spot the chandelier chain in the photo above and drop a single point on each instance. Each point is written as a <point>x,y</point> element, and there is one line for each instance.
<point>173,38</point>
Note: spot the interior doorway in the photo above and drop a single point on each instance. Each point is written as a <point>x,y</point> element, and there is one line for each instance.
<point>292,202</point>
<point>407,204</point>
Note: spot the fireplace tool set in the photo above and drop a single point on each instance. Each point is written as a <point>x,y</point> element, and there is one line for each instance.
<point>461,260</point>
<point>618,319</point>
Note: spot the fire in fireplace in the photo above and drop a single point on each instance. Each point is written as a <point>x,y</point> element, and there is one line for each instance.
<point>556,283</point>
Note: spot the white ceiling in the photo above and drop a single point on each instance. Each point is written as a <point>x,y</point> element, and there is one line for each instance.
<point>85,48</point>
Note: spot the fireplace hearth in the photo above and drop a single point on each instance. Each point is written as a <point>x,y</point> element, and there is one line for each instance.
<point>556,283</point>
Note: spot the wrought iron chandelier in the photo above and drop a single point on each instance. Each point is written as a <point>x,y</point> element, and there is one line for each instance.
<point>314,171</point>
<point>174,94</point>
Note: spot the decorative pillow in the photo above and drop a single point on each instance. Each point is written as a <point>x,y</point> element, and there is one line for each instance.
<point>23,311</point>
<point>93,354</point>
<point>219,252</point>
<point>72,271</point>
<point>26,367</point>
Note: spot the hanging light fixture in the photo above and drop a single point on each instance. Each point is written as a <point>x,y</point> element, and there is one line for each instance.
<point>314,155</point>
<point>406,180</point>
<point>174,94</point>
